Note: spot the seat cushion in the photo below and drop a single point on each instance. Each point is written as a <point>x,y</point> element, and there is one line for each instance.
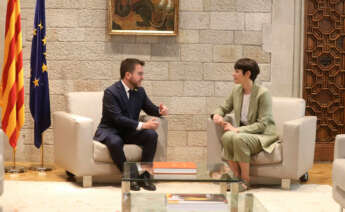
<point>101,152</point>
<point>339,173</point>
<point>264,158</point>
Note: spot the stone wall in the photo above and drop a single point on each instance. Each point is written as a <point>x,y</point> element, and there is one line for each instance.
<point>190,73</point>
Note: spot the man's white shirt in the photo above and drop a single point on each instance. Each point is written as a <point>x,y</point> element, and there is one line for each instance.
<point>245,108</point>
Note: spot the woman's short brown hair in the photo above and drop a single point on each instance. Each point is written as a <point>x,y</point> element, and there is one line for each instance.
<point>247,64</point>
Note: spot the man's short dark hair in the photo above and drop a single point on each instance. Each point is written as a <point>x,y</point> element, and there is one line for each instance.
<point>247,64</point>
<point>128,65</point>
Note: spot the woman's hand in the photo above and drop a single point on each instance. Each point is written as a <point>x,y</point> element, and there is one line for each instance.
<point>217,119</point>
<point>228,127</point>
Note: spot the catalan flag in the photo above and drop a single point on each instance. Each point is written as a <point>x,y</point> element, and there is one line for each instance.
<point>12,80</point>
<point>39,87</point>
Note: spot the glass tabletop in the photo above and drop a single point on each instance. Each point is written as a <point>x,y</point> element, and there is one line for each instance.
<point>158,202</point>
<point>196,172</point>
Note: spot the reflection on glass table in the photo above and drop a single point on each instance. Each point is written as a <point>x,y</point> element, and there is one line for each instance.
<point>157,202</point>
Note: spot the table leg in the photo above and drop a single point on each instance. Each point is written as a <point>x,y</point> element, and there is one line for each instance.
<point>223,188</point>
<point>249,203</point>
<point>126,196</point>
<point>234,196</point>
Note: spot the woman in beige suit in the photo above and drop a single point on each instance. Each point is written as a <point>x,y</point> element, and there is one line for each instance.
<point>252,107</point>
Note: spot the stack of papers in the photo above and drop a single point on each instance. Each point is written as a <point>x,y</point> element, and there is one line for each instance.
<point>196,202</point>
<point>174,170</point>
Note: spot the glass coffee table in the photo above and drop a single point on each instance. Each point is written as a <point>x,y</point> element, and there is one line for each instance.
<point>154,201</point>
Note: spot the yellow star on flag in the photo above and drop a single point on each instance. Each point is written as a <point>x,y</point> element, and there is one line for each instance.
<point>35,32</point>
<point>44,67</point>
<point>40,25</point>
<point>44,40</point>
<point>36,82</point>
<point>45,54</point>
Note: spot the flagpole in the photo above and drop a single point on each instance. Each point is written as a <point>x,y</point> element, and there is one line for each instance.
<point>14,169</point>
<point>42,154</point>
<point>42,167</point>
<point>14,157</point>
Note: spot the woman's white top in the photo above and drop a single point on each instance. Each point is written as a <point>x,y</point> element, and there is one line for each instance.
<point>245,108</point>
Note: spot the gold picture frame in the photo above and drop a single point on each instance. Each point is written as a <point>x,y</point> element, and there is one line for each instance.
<point>143,17</point>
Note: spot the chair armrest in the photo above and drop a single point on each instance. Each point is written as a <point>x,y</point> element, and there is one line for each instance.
<point>230,118</point>
<point>298,143</point>
<point>144,118</point>
<point>162,131</point>
<point>73,141</point>
<point>339,147</point>
<point>214,144</point>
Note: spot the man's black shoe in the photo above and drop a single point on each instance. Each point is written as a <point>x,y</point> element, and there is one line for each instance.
<point>146,184</point>
<point>135,186</point>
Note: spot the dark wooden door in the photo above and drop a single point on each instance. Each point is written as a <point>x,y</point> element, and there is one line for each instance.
<point>324,75</point>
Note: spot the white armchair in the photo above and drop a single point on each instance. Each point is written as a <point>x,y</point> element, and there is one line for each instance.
<point>293,155</point>
<point>78,153</point>
<point>338,174</point>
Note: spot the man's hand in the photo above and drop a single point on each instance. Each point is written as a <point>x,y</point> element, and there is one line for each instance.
<point>217,119</point>
<point>228,127</point>
<point>151,124</point>
<point>163,110</point>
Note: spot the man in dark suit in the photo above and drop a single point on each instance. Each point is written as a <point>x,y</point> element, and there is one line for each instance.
<point>122,103</point>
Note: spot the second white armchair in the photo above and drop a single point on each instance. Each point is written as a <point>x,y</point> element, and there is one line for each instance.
<point>294,153</point>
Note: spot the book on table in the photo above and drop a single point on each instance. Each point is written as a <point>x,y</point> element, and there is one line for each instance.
<point>197,202</point>
<point>174,167</point>
<point>175,176</point>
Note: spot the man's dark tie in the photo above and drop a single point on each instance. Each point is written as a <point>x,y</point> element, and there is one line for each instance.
<point>131,95</point>
<point>131,102</point>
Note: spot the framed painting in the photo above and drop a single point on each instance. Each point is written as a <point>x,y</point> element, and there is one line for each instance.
<point>143,17</point>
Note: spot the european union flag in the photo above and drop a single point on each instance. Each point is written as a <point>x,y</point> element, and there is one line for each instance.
<point>39,87</point>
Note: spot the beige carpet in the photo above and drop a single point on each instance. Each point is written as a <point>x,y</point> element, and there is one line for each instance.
<point>27,196</point>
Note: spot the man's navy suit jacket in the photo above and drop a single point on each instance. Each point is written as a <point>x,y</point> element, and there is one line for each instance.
<point>117,117</point>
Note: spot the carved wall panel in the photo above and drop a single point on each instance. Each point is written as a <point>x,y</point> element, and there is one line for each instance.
<point>324,74</point>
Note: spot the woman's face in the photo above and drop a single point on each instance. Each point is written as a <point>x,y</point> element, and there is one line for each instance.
<point>239,77</point>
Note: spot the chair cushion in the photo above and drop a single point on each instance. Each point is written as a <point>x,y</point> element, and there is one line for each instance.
<point>264,158</point>
<point>101,152</point>
<point>339,173</point>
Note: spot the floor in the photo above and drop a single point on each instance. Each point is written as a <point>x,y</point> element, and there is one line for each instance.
<point>321,173</point>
